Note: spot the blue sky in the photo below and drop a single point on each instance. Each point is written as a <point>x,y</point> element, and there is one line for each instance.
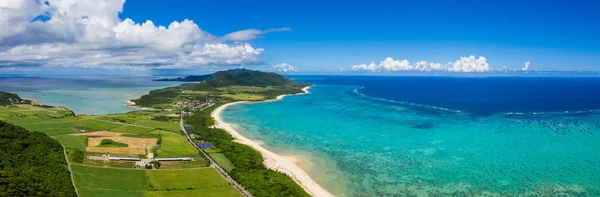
<point>327,36</point>
<point>553,35</point>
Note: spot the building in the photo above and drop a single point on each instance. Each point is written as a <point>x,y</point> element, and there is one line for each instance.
<point>174,159</point>
<point>141,164</point>
<point>124,159</point>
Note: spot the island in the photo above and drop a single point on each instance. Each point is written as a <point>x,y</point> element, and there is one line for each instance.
<point>171,145</point>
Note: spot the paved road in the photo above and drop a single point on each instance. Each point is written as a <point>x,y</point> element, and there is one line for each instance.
<point>212,162</point>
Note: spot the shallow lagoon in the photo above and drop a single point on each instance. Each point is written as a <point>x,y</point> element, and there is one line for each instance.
<point>359,146</point>
<point>93,95</point>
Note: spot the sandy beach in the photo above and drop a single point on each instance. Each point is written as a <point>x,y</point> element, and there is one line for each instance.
<point>285,164</point>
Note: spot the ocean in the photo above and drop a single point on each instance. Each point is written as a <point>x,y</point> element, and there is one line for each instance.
<point>92,95</point>
<point>437,136</point>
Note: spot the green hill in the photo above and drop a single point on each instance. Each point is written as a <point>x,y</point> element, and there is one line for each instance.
<point>10,98</point>
<point>243,77</point>
<point>32,164</point>
<point>236,84</point>
<point>239,77</point>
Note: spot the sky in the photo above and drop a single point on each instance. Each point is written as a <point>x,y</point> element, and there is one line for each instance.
<point>365,37</point>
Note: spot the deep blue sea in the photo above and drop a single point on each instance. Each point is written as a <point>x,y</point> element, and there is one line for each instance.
<point>437,136</point>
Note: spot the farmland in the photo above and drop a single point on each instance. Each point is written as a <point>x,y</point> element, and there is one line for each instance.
<point>97,181</point>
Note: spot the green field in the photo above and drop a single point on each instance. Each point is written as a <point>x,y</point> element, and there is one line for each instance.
<point>96,125</point>
<point>110,182</point>
<point>174,145</point>
<point>183,179</point>
<point>109,178</point>
<point>92,192</point>
<point>222,161</point>
<point>132,129</point>
<point>224,191</point>
<point>200,163</point>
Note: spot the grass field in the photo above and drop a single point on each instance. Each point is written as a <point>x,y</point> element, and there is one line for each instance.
<point>171,126</point>
<point>227,191</point>
<point>187,179</point>
<point>109,178</point>
<point>244,97</point>
<point>132,129</point>
<point>92,192</point>
<point>174,145</point>
<point>200,163</point>
<point>96,125</point>
<point>111,182</point>
<point>69,141</point>
<point>222,161</point>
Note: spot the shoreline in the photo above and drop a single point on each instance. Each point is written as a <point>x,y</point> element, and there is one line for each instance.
<point>273,161</point>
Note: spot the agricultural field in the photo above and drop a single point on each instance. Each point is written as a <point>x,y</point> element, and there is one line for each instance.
<point>174,145</point>
<point>109,182</point>
<point>222,161</point>
<point>115,143</point>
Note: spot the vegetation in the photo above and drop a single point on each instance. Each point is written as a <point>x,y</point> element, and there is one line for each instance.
<point>109,182</point>
<point>75,155</point>
<point>173,145</point>
<point>222,161</point>
<point>249,170</point>
<point>194,179</point>
<point>155,164</point>
<point>10,99</point>
<point>111,143</point>
<point>109,178</point>
<point>237,84</point>
<point>32,164</point>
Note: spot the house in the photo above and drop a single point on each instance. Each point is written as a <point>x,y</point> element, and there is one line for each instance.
<point>193,136</point>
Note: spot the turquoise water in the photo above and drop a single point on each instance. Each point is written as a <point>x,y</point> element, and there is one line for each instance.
<point>83,95</point>
<point>358,146</point>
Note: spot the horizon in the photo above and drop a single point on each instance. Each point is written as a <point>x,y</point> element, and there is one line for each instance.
<point>119,37</point>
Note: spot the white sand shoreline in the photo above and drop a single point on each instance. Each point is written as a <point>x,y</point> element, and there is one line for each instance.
<point>273,161</point>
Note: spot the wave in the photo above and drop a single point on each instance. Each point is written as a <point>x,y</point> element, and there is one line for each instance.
<point>552,114</point>
<point>409,104</point>
<point>506,114</point>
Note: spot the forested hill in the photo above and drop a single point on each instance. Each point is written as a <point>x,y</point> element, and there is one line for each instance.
<point>10,98</point>
<point>32,164</point>
<point>241,77</point>
<point>232,85</point>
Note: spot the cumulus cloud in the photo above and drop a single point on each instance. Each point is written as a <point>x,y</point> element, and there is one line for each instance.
<point>284,67</point>
<point>464,64</point>
<point>526,67</point>
<point>250,34</point>
<point>90,34</point>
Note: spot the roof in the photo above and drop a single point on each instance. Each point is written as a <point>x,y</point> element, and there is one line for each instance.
<point>125,158</point>
<point>187,127</point>
<point>204,145</point>
<point>174,159</point>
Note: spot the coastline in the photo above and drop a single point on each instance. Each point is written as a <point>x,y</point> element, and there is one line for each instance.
<point>273,161</point>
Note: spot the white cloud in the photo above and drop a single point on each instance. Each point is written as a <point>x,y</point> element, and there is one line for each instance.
<point>464,64</point>
<point>250,34</point>
<point>526,67</point>
<point>285,67</point>
<point>90,34</point>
